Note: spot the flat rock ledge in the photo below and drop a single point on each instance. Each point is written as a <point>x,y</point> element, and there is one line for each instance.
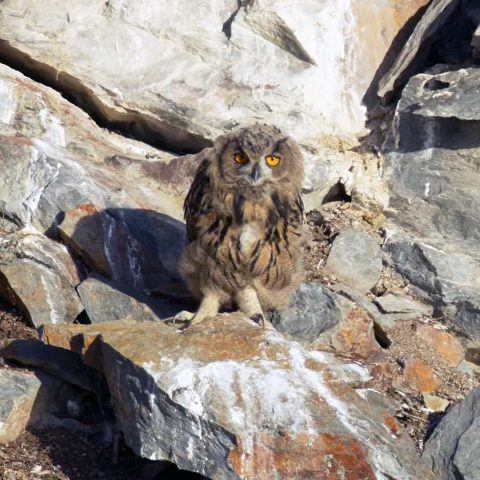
<point>231,400</point>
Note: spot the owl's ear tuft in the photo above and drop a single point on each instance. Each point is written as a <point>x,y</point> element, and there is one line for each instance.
<point>220,143</point>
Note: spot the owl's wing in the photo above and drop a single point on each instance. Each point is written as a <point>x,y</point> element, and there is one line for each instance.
<point>198,200</point>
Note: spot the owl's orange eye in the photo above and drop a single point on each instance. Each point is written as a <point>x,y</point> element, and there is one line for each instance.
<point>240,158</point>
<point>272,160</point>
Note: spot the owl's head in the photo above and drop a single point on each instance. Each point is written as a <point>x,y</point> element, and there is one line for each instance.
<point>256,156</point>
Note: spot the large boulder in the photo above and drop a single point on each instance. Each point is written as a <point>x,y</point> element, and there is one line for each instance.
<point>177,75</point>
<point>452,449</point>
<point>18,391</point>
<point>38,277</point>
<point>54,159</point>
<point>231,400</point>
<point>443,34</point>
<point>431,167</point>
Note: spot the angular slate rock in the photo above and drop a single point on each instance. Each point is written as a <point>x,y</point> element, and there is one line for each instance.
<point>37,276</point>
<point>450,280</point>
<point>58,362</point>
<point>18,391</point>
<point>231,400</point>
<point>312,311</point>
<point>417,48</point>
<point>355,259</point>
<point>452,449</point>
<point>104,301</point>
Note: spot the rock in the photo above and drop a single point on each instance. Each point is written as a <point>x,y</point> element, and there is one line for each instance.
<point>55,159</point>
<point>312,311</point>
<point>18,391</point>
<point>404,308</point>
<point>355,259</point>
<point>449,280</point>
<point>318,73</point>
<point>472,352</point>
<point>434,403</point>
<point>37,276</point>
<point>57,362</point>
<point>430,172</point>
<point>137,249</point>
<point>355,337</point>
<point>218,63</point>
<point>443,343</point>
<point>104,300</point>
<point>443,32</point>
<point>476,44</point>
<point>228,399</point>
<point>452,449</point>
<point>420,376</point>
<point>432,175</point>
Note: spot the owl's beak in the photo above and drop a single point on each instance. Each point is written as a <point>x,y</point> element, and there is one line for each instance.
<point>255,173</point>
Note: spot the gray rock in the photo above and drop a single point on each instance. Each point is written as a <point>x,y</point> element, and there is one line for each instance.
<point>58,362</point>
<point>417,48</point>
<point>104,301</point>
<point>431,160</point>
<point>312,311</point>
<point>452,449</point>
<point>407,307</point>
<point>231,400</point>
<point>356,260</point>
<point>18,391</point>
<point>55,159</point>
<point>447,279</point>
<point>38,276</point>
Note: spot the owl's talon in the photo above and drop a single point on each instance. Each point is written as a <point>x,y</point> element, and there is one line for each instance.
<point>259,319</point>
<point>184,316</point>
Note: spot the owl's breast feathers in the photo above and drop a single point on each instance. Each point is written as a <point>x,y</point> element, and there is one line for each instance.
<point>256,238</point>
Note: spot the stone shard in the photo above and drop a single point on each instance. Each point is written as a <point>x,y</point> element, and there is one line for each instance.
<point>58,362</point>
<point>18,391</point>
<point>312,311</point>
<point>395,304</point>
<point>420,376</point>
<point>104,301</point>
<point>417,48</point>
<point>446,345</point>
<point>356,260</point>
<point>231,400</point>
<point>447,279</point>
<point>452,449</point>
<point>38,277</point>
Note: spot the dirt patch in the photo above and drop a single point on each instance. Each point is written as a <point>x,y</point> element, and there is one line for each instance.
<point>62,455</point>
<point>13,325</point>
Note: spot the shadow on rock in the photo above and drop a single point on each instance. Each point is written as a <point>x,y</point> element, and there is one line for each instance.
<point>133,247</point>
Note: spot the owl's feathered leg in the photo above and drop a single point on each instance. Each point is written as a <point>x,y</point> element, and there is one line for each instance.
<point>209,307</point>
<point>248,303</point>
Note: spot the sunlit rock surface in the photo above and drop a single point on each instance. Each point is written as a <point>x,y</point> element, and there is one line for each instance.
<point>229,399</point>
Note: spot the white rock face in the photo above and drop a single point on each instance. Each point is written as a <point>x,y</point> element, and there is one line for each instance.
<point>178,74</point>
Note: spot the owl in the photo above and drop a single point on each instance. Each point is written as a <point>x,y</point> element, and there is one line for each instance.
<point>244,216</point>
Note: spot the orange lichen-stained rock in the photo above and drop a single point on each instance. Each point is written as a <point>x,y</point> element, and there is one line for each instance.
<point>354,336</point>
<point>231,400</point>
<point>443,343</point>
<point>420,376</point>
<point>320,457</point>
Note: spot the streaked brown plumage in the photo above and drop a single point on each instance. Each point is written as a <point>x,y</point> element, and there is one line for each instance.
<point>244,216</point>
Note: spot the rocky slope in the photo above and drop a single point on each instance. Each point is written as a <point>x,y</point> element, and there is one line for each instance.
<point>103,107</point>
